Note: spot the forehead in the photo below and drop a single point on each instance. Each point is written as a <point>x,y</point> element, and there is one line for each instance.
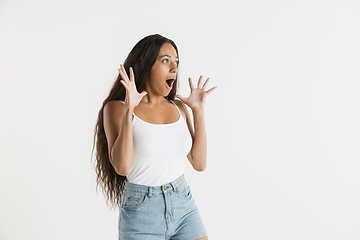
<point>167,49</point>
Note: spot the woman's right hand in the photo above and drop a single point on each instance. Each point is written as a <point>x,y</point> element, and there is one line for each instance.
<point>133,97</point>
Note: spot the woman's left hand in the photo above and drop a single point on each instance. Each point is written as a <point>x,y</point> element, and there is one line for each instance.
<point>198,95</point>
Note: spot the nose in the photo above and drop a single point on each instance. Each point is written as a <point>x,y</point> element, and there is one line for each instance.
<point>173,68</point>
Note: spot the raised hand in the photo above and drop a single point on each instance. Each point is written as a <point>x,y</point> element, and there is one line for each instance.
<point>133,97</point>
<point>198,95</point>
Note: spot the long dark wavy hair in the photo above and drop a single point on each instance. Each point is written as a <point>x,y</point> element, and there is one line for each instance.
<point>141,58</point>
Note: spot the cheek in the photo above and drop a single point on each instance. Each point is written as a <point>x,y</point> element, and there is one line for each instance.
<point>156,76</point>
<point>157,71</point>
<point>154,70</point>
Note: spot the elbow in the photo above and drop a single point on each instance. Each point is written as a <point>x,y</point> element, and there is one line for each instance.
<point>120,167</point>
<point>122,171</point>
<point>201,169</point>
<point>198,163</point>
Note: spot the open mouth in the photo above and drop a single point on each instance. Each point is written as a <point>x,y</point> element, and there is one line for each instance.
<point>169,83</point>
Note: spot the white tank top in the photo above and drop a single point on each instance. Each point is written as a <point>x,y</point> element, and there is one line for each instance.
<point>160,151</point>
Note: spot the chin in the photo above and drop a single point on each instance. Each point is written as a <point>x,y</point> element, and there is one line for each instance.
<point>168,94</point>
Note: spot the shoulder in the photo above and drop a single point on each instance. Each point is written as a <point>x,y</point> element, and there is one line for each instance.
<point>180,104</point>
<point>114,104</point>
<point>112,116</point>
<point>113,107</point>
<point>182,108</point>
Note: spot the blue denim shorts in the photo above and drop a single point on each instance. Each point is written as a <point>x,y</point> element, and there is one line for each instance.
<point>162,212</point>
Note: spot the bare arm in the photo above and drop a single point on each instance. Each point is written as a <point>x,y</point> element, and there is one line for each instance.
<point>118,125</point>
<point>197,154</point>
<point>196,101</point>
<point>118,130</point>
<point>199,148</point>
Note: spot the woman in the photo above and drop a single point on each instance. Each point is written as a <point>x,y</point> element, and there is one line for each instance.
<point>143,140</point>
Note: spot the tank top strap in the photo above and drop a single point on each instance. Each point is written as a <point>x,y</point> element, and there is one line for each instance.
<point>176,107</point>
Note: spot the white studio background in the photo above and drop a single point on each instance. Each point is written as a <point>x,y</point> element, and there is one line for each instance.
<point>283,126</point>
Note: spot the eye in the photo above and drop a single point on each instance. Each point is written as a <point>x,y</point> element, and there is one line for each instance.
<point>165,60</point>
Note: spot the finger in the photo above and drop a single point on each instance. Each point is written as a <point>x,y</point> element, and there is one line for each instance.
<point>191,84</point>
<point>199,83</point>
<point>143,93</point>
<point>124,84</point>
<point>121,73</point>
<point>124,74</point>
<point>210,90</point>
<point>132,77</point>
<point>205,84</point>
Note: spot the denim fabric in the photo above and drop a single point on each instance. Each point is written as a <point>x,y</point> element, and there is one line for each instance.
<point>162,212</point>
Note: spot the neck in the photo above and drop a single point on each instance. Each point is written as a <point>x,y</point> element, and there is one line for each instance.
<point>152,97</point>
<point>153,100</point>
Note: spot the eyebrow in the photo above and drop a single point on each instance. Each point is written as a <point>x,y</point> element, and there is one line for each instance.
<point>167,56</point>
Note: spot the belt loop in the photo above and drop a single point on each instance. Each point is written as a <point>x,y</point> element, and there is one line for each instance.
<point>149,193</point>
<point>174,187</point>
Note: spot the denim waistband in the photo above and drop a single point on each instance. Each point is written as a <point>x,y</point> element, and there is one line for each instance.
<point>174,185</point>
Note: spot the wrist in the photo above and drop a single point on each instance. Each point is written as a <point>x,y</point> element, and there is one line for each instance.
<point>197,110</point>
<point>127,109</point>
